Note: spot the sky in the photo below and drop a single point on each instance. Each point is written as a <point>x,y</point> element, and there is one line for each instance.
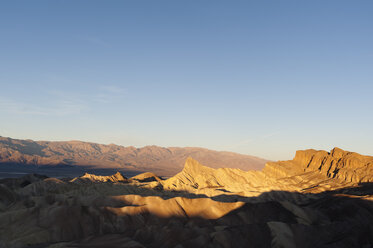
<point>264,78</point>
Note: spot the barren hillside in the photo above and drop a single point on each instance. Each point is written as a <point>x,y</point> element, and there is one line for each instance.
<point>319,199</point>
<point>160,160</point>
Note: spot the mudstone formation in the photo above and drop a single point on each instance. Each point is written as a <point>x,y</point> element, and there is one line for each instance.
<point>318,199</point>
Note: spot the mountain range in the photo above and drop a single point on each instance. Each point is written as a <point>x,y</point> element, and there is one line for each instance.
<point>160,160</point>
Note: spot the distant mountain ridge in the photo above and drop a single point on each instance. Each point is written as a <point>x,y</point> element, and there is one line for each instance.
<point>161,160</point>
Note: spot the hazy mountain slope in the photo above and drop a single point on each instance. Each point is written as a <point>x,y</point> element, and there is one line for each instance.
<point>164,161</point>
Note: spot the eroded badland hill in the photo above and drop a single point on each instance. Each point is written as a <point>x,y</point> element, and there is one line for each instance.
<point>318,199</point>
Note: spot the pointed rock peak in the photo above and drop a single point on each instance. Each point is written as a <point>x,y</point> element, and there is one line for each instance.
<point>119,175</point>
<point>337,152</point>
<point>191,162</point>
<point>193,165</point>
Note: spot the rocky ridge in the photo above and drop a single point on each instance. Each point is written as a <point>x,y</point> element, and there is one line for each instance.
<point>117,177</point>
<point>160,160</point>
<point>339,164</point>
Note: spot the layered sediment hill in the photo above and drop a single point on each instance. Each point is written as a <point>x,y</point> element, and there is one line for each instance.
<point>196,176</point>
<point>310,170</point>
<point>304,202</point>
<point>343,165</point>
<point>160,160</point>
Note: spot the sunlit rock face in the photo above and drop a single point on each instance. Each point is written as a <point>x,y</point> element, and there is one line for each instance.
<point>318,199</point>
<point>198,178</point>
<point>339,164</point>
<point>117,177</point>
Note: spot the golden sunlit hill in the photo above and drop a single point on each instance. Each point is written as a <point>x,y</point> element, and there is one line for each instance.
<point>318,199</point>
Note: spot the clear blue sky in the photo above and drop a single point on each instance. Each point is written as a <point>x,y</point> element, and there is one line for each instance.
<point>264,78</point>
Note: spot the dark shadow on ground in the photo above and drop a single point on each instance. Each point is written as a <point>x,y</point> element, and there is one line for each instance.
<point>336,218</point>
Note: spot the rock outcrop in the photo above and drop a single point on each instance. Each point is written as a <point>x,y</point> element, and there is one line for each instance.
<point>199,177</point>
<point>339,164</point>
<point>117,177</point>
<point>145,178</point>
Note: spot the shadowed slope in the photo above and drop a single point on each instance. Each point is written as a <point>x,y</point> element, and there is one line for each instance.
<point>89,215</point>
